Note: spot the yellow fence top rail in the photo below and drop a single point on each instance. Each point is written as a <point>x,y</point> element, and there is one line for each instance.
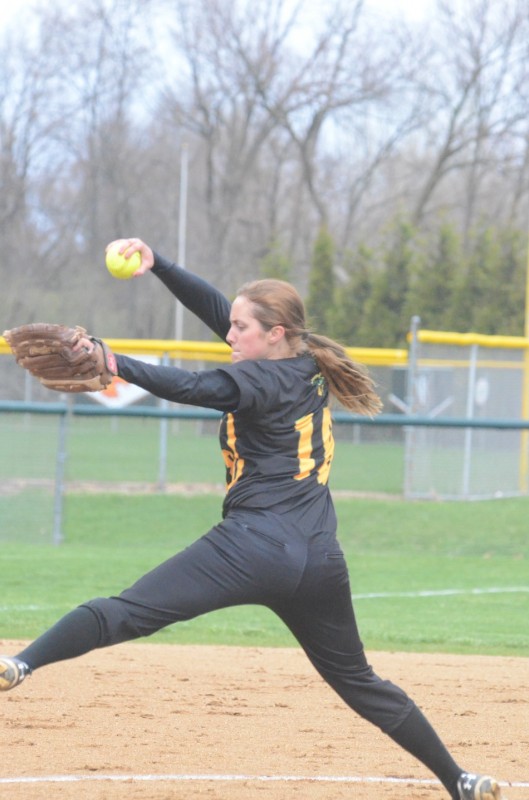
<point>372,356</point>
<point>467,339</point>
<point>220,352</point>
<point>378,356</point>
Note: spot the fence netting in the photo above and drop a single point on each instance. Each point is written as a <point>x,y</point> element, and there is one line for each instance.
<point>473,383</point>
<point>45,456</point>
<point>29,492</point>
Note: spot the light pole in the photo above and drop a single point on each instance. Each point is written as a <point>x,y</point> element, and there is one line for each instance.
<point>182,222</point>
<point>525,388</point>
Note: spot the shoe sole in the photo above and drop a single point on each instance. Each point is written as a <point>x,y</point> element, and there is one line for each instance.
<point>9,675</point>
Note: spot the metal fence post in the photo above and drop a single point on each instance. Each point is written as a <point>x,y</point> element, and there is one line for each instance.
<point>409,432</point>
<point>164,432</point>
<point>60,462</point>
<point>469,414</point>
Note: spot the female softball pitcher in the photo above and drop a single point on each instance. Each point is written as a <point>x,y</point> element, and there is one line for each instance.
<point>276,544</point>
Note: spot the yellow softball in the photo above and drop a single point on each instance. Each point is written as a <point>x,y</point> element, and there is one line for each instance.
<point>119,266</point>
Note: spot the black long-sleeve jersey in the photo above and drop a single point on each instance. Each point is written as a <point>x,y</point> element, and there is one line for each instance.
<point>275,434</point>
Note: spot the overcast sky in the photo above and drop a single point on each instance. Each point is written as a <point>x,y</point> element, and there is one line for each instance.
<point>411,9</point>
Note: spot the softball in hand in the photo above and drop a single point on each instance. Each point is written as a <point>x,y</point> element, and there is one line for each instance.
<point>119,266</point>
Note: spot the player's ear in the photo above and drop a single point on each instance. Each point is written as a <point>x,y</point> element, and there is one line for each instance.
<point>276,333</point>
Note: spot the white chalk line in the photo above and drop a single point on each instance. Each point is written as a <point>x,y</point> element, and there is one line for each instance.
<point>443,592</point>
<point>368,596</point>
<point>272,778</point>
<point>368,779</point>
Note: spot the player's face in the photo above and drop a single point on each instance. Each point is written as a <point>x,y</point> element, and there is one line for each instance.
<point>247,337</point>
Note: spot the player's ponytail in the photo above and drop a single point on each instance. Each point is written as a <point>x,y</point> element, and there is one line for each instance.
<point>348,381</point>
<point>277,302</point>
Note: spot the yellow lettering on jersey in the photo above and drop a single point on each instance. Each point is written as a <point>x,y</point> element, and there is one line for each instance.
<point>234,463</point>
<point>328,446</point>
<point>304,426</point>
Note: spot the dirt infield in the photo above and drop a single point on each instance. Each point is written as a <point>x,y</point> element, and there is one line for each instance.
<point>171,722</point>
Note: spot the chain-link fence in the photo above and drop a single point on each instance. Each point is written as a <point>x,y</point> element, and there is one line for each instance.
<point>479,380</point>
<point>451,428</point>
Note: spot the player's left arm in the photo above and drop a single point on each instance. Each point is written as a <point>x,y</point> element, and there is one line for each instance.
<point>212,388</point>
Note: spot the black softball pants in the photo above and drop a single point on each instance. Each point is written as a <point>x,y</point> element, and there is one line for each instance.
<point>252,558</point>
<point>258,558</point>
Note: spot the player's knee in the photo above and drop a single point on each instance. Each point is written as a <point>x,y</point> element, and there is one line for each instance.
<point>119,621</point>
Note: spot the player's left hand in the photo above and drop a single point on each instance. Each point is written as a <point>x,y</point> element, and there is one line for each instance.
<point>63,359</point>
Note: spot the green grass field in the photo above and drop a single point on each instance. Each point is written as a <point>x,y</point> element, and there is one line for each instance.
<point>436,577</point>
<point>112,448</point>
<point>426,576</point>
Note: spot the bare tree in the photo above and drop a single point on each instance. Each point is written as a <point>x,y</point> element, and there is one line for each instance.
<point>25,128</point>
<point>291,118</point>
<point>260,100</point>
<point>214,100</point>
<point>466,86</point>
<point>81,109</point>
<point>367,165</point>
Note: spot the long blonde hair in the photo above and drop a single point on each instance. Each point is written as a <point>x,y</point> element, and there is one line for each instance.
<point>277,302</point>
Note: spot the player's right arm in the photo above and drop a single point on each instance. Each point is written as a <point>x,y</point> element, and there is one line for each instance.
<point>196,294</point>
